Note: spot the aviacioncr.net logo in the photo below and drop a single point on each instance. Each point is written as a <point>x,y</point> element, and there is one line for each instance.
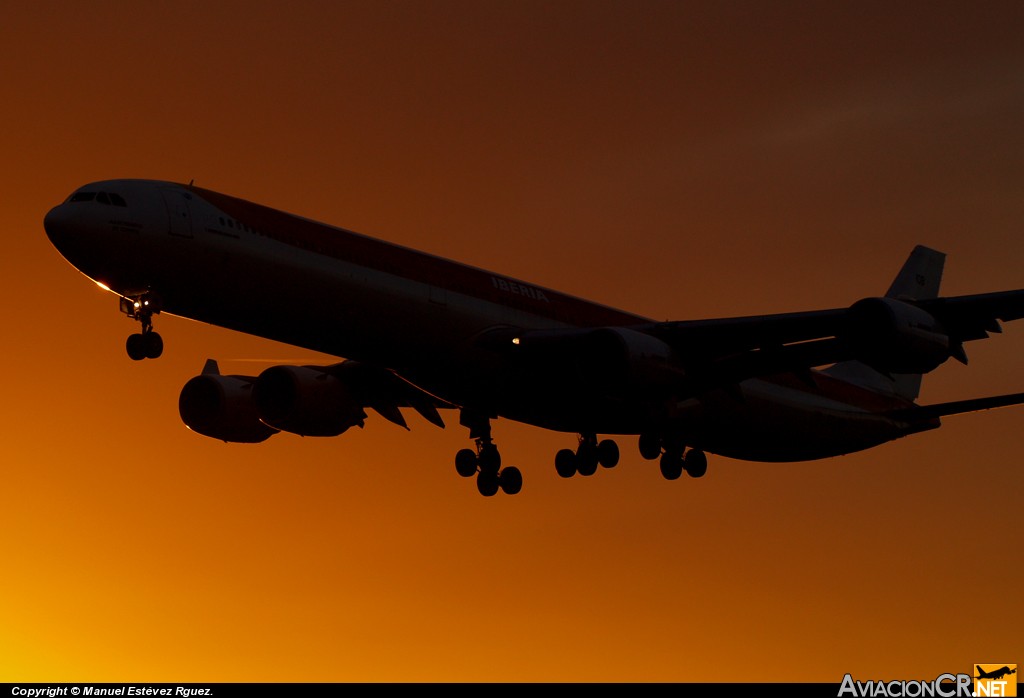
<point>944,686</point>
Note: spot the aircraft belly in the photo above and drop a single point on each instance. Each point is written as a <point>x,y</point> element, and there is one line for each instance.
<point>779,425</point>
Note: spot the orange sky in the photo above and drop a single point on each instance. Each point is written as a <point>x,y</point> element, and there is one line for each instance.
<point>672,159</point>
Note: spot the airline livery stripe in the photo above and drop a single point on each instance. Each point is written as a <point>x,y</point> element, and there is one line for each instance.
<point>416,266</point>
<point>841,391</point>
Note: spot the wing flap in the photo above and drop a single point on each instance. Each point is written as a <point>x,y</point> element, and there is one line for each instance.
<point>967,318</point>
<point>384,391</point>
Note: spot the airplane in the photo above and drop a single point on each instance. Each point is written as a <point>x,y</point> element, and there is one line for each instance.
<point>421,332</point>
<point>996,674</point>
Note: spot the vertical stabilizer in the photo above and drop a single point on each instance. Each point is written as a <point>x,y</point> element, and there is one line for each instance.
<point>919,279</point>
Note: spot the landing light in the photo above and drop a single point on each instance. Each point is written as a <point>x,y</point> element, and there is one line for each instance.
<point>137,305</point>
<point>515,340</point>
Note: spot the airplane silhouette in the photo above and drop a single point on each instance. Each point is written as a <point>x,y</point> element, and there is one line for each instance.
<point>426,333</point>
<point>997,674</point>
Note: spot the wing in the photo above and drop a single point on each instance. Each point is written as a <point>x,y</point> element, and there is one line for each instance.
<point>384,391</point>
<point>892,335</point>
<point>886,333</point>
<point>973,317</point>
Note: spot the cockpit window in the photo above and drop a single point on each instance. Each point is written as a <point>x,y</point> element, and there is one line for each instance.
<point>103,197</point>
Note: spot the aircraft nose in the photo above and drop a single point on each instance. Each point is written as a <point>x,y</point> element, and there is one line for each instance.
<point>56,224</point>
<point>68,231</point>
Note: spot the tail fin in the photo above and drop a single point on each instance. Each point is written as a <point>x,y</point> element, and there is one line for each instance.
<point>918,279</point>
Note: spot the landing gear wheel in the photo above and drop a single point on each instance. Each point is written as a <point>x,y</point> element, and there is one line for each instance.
<point>153,344</point>
<point>466,462</point>
<point>608,453</point>
<point>485,461</point>
<point>586,459</point>
<point>490,459</point>
<point>671,465</point>
<point>510,480</point>
<point>650,446</point>
<point>136,347</point>
<point>487,483</point>
<point>565,463</point>
<point>696,463</point>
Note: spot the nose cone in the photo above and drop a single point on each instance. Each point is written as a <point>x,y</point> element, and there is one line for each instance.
<point>72,231</point>
<point>57,224</point>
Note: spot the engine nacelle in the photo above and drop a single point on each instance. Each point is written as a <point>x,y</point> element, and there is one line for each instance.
<point>620,358</point>
<point>306,401</point>
<point>896,337</point>
<point>222,407</point>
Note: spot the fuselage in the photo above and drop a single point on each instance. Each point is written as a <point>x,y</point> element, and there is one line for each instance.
<point>254,269</point>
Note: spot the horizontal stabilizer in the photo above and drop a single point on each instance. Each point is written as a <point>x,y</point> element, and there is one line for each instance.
<point>923,412</point>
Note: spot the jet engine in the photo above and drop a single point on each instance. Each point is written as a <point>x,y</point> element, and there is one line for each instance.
<point>893,336</point>
<point>222,407</point>
<point>306,400</point>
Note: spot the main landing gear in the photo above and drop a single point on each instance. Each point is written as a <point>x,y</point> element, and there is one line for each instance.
<point>146,344</point>
<point>673,459</point>
<point>485,461</point>
<point>588,455</point>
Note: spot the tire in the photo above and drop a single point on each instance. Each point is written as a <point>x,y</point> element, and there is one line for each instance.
<point>487,484</point>
<point>490,459</point>
<point>586,460</point>
<point>136,347</point>
<point>465,462</point>
<point>608,453</point>
<point>565,463</point>
<point>671,466</point>
<point>510,480</point>
<point>650,446</point>
<point>696,463</point>
<point>153,344</point>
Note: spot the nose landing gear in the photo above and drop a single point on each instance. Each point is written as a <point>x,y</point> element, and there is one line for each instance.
<point>146,344</point>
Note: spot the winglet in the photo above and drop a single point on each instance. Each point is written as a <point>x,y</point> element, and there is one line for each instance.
<point>210,368</point>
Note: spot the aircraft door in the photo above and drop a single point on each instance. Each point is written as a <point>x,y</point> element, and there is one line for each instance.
<point>178,213</point>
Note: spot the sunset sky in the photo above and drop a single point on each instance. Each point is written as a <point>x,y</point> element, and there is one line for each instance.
<point>679,160</point>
